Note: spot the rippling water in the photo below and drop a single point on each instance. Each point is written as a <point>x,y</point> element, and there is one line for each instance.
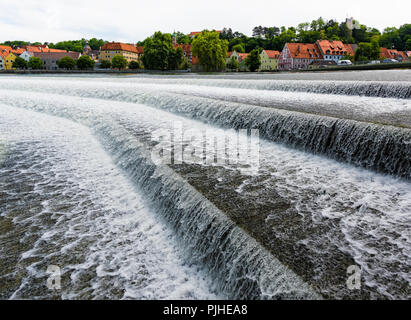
<point>79,191</point>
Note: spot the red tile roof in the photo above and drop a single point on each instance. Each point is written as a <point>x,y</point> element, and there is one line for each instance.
<point>140,50</point>
<point>229,54</point>
<point>392,54</point>
<point>272,54</point>
<point>118,46</point>
<point>18,51</point>
<point>5,49</point>
<point>304,51</point>
<point>242,56</point>
<point>3,54</point>
<point>42,48</point>
<point>332,47</point>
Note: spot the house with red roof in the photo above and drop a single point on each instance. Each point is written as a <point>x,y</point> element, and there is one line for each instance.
<point>333,50</point>
<point>30,50</point>
<point>111,49</point>
<point>4,52</point>
<point>393,54</point>
<point>269,60</point>
<point>187,51</point>
<point>297,56</point>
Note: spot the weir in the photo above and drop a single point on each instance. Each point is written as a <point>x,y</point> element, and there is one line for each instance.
<point>288,231</point>
<point>239,265</point>
<point>381,148</point>
<point>381,89</point>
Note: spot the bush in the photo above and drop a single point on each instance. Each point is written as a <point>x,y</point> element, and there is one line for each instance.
<point>66,63</point>
<point>85,62</point>
<point>119,62</point>
<point>134,65</point>
<point>20,63</point>
<point>105,64</point>
<point>35,63</point>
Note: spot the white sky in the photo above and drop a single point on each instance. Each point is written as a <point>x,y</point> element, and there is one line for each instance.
<point>131,21</point>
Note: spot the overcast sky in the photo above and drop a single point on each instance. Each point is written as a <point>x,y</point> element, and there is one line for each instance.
<point>131,21</point>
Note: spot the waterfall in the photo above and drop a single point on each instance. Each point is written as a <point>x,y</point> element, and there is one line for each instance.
<point>240,266</point>
<point>383,148</point>
<point>381,89</point>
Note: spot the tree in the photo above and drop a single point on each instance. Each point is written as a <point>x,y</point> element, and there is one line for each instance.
<point>160,54</point>
<point>253,60</point>
<point>368,51</point>
<point>105,64</point>
<point>390,38</point>
<point>233,64</point>
<point>134,65</point>
<point>239,48</point>
<point>119,62</point>
<point>96,44</point>
<point>408,45</point>
<point>20,63</point>
<point>182,38</point>
<point>210,50</point>
<point>85,62</point>
<point>66,63</point>
<point>35,63</point>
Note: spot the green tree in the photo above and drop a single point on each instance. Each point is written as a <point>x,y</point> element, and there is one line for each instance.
<point>66,63</point>
<point>182,38</point>
<point>253,60</point>
<point>20,63</point>
<point>408,45</point>
<point>160,54</point>
<point>134,65</point>
<point>119,62</point>
<point>390,38</point>
<point>239,48</point>
<point>96,44</point>
<point>368,51</point>
<point>105,64</point>
<point>85,62</point>
<point>210,50</point>
<point>35,63</point>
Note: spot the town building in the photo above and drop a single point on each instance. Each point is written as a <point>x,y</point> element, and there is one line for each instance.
<point>4,52</point>
<point>50,59</point>
<point>187,51</point>
<point>2,58</point>
<point>111,49</point>
<point>30,50</point>
<point>140,52</point>
<point>333,50</point>
<point>269,60</point>
<point>298,56</point>
<point>393,54</point>
<point>8,60</point>
<point>87,51</point>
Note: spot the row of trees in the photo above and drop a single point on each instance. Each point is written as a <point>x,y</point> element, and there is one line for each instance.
<point>78,45</point>
<point>274,38</point>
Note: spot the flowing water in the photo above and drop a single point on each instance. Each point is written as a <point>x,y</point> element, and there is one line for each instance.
<point>79,188</point>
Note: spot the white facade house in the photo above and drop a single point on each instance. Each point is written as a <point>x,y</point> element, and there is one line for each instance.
<point>26,55</point>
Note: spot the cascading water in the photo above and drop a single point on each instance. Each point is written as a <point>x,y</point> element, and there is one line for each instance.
<point>289,230</point>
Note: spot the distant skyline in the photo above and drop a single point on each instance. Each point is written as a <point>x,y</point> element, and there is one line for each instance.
<point>131,21</point>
